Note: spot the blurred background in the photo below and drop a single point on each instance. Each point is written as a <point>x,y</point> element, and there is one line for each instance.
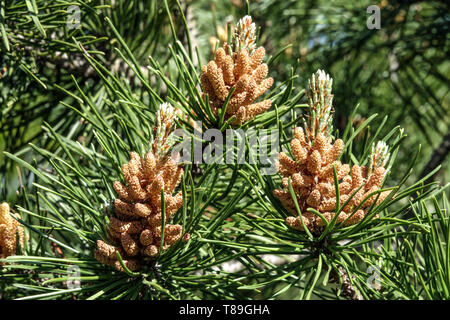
<point>399,71</point>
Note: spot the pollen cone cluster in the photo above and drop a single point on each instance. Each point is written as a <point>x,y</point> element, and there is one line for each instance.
<point>312,179</point>
<point>10,232</point>
<point>310,172</point>
<point>241,69</point>
<point>135,231</point>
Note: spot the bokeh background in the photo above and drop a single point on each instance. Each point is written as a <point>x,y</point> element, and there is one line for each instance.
<point>400,71</point>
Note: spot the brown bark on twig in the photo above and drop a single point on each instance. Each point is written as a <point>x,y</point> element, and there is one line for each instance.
<point>347,290</point>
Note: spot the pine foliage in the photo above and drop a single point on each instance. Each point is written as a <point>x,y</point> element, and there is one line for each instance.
<point>103,211</point>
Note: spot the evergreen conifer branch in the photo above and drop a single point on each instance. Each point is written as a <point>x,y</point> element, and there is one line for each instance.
<point>111,93</point>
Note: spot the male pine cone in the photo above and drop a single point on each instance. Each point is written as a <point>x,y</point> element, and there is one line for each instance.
<point>10,231</point>
<point>312,179</point>
<point>243,72</point>
<point>136,228</point>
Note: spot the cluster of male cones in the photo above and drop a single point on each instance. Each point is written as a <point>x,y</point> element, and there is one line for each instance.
<point>311,169</point>
<point>11,233</point>
<point>238,67</point>
<point>136,229</point>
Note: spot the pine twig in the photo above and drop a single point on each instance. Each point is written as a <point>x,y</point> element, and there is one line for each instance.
<point>438,156</point>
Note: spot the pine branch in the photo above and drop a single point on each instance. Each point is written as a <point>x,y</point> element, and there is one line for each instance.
<point>437,157</point>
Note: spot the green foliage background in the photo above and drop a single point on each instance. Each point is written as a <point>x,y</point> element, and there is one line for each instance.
<point>74,102</point>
